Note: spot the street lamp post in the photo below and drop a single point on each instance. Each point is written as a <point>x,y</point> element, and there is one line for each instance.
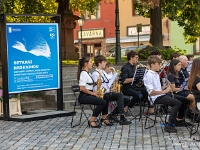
<point>117,32</point>
<point>81,23</point>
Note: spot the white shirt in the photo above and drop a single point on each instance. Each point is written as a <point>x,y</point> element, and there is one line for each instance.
<point>86,78</point>
<point>152,82</point>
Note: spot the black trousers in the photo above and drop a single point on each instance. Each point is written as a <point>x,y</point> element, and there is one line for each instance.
<point>174,103</point>
<point>102,105</point>
<point>135,93</point>
<point>184,106</point>
<point>121,100</point>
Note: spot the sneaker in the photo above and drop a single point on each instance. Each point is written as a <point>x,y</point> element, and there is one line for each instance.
<point>113,117</point>
<point>124,121</point>
<point>169,128</point>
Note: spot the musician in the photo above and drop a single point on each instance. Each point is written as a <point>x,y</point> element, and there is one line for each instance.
<point>190,58</point>
<point>157,53</point>
<point>174,55</point>
<point>194,82</point>
<point>87,96</point>
<point>110,95</point>
<point>112,76</point>
<point>177,88</point>
<point>183,74</point>
<point>127,73</point>
<point>159,94</point>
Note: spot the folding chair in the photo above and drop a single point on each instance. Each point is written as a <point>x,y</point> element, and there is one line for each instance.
<point>76,90</point>
<point>196,95</point>
<point>159,111</point>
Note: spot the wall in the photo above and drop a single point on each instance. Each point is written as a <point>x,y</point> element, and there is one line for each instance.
<point>177,38</point>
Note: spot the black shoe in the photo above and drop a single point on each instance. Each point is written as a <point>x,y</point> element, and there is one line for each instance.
<point>113,117</point>
<point>169,128</point>
<point>182,123</point>
<point>89,124</point>
<point>124,121</point>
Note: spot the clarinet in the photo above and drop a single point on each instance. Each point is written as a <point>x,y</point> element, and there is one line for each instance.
<point>172,94</point>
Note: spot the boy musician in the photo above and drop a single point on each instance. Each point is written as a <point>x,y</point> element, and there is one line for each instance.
<point>158,93</point>
<point>110,94</point>
<point>127,73</point>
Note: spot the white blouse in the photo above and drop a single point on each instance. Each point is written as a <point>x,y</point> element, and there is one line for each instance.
<point>86,80</point>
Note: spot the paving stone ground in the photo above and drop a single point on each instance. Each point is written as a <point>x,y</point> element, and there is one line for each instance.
<point>57,134</point>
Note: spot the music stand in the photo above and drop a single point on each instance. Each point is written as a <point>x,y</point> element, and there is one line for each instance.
<point>138,82</point>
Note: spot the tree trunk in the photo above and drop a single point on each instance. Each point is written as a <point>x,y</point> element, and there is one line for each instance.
<point>156,38</point>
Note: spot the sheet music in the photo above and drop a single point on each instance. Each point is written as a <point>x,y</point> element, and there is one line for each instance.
<point>138,76</point>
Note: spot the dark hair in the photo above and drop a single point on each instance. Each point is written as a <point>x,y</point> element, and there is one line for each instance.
<point>131,54</point>
<point>108,64</point>
<point>195,71</point>
<point>98,59</point>
<point>189,56</point>
<point>153,59</point>
<point>81,64</point>
<point>174,55</point>
<point>172,64</point>
<point>155,52</point>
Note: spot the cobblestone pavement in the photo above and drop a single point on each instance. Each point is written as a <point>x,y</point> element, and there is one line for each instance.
<point>57,134</point>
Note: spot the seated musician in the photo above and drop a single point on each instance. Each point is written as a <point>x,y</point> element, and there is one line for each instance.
<point>87,96</point>
<point>190,58</point>
<point>112,76</point>
<point>183,74</point>
<point>174,68</point>
<point>194,82</point>
<point>127,73</point>
<point>174,55</point>
<point>159,94</point>
<point>110,94</point>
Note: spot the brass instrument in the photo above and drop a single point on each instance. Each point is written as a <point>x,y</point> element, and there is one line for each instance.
<point>140,65</point>
<point>99,90</point>
<point>116,84</point>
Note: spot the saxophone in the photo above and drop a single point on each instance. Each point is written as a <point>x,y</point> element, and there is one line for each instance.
<point>116,84</point>
<point>99,90</point>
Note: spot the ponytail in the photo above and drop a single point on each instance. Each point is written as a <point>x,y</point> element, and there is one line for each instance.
<point>81,64</point>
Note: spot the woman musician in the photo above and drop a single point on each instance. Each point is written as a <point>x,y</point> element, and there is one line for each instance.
<point>194,82</point>
<point>87,96</point>
<point>176,87</point>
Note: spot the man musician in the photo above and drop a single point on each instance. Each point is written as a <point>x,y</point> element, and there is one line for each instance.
<point>127,74</point>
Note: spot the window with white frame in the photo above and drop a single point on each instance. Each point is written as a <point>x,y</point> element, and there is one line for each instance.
<point>95,16</point>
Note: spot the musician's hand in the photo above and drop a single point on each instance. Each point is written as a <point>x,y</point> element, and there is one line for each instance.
<point>97,94</point>
<point>167,90</point>
<point>113,90</point>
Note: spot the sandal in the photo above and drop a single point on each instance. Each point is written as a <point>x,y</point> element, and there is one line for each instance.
<point>106,122</point>
<point>89,124</point>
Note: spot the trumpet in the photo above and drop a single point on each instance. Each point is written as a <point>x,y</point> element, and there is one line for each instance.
<point>140,65</point>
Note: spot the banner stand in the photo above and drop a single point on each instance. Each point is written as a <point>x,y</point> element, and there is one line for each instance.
<point>12,83</point>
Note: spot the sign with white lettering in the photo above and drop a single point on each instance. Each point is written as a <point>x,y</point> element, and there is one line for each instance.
<point>93,33</point>
<point>132,31</point>
<point>33,56</point>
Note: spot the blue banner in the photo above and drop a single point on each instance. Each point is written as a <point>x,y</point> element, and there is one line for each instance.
<point>33,56</point>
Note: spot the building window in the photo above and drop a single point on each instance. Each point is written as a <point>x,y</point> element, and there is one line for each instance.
<point>134,13</point>
<point>95,16</point>
<point>197,47</point>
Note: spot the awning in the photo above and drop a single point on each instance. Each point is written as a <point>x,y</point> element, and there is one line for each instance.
<point>129,39</point>
<point>142,38</point>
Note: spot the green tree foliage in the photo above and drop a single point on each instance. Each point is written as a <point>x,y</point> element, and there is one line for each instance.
<point>185,12</point>
<point>30,7</point>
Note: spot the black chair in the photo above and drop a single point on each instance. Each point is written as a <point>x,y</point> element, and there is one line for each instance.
<point>195,128</point>
<point>76,90</point>
<point>160,110</point>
